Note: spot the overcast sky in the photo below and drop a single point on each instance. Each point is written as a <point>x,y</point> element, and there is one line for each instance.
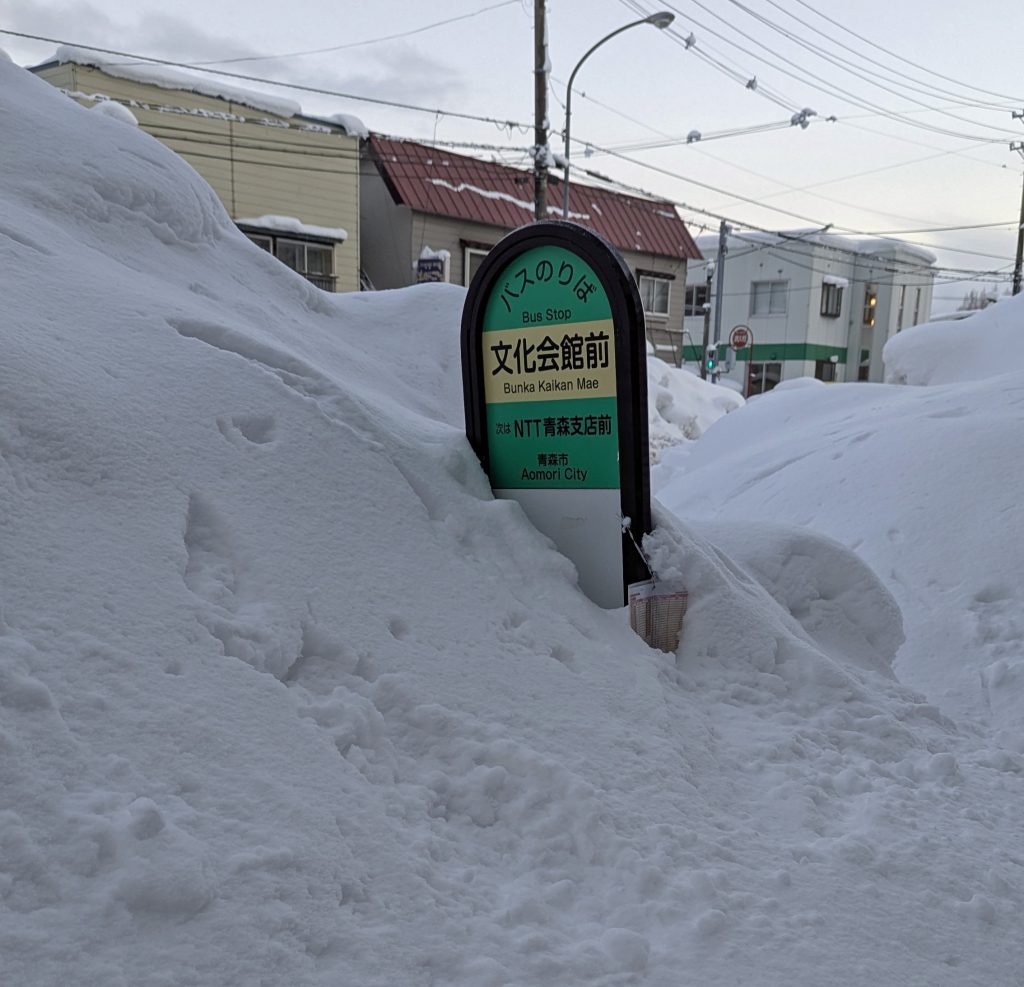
<point>922,93</point>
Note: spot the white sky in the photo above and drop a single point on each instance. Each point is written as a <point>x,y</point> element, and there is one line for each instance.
<point>864,173</point>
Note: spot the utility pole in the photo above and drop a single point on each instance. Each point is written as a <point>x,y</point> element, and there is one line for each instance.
<point>1019,262</point>
<point>709,269</point>
<point>723,232</point>
<point>540,110</point>
<point>1018,146</point>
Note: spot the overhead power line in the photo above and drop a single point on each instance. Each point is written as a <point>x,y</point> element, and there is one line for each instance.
<point>855,69</point>
<point>863,54</point>
<point>827,87</point>
<point>717,60</point>
<point>903,58</point>
<point>357,44</point>
<point>689,207</point>
<point>807,77</point>
<point>142,60</point>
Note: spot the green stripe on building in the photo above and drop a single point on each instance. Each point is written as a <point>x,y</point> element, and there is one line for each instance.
<point>776,352</point>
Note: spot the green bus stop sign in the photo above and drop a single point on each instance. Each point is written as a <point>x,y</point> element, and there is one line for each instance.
<point>555,385</point>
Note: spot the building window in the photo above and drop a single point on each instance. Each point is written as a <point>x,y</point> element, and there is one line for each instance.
<point>870,304</point>
<point>696,299</point>
<point>654,294</point>
<point>917,308</point>
<point>263,242</point>
<point>313,260</point>
<point>472,258</point>
<point>768,297</point>
<point>831,299</point>
<point>762,377</point>
<point>825,370</point>
<point>899,314</point>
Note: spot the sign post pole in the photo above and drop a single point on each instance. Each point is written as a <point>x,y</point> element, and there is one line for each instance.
<point>739,339</point>
<point>555,386</point>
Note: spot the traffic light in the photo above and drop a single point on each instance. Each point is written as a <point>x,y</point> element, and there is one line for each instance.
<point>711,359</point>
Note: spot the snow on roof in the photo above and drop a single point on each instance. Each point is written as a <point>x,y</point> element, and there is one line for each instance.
<point>352,124</point>
<point>291,224</point>
<point>881,245</point>
<point>503,197</point>
<point>865,245</point>
<point>170,78</point>
<point>442,183</point>
<point>109,108</point>
<point>837,281</point>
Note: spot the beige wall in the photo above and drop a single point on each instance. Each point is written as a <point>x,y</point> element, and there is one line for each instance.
<point>257,162</point>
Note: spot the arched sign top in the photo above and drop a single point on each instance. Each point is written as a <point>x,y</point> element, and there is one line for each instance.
<point>546,284</point>
<point>555,387</point>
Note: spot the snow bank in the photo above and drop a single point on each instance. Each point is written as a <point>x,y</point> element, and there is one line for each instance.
<point>681,406</point>
<point>287,698</point>
<point>985,345</point>
<point>919,483</point>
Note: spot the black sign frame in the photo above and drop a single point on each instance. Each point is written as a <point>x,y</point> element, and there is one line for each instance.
<point>630,367</point>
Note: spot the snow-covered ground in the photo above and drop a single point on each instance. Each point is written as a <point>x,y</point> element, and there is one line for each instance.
<point>286,698</point>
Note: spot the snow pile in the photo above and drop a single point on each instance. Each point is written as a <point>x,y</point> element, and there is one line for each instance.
<point>985,345</point>
<point>681,406</point>
<point>287,698</point>
<point>920,482</point>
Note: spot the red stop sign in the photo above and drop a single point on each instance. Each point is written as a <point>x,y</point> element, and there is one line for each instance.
<point>739,338</point>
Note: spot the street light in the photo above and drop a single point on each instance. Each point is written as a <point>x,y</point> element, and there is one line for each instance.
<point>660,20</point>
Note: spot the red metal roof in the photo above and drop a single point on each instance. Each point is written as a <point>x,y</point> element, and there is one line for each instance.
<point>436,181</point>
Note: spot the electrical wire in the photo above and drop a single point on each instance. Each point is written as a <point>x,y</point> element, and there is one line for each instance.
<point>717,60</point>
<point>846,65</point>
<point>806,190</point>
<point>453,114</point>
<point>667,140</point>
<point>823,85</point>
<point>144,60</point>
<point>875,45</point>
<point>866,54</point>
<point>890,265</point>
<point>732,221</point>
<point>356,44</point>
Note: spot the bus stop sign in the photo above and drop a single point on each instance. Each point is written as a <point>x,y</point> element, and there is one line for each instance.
<point>555,388</point>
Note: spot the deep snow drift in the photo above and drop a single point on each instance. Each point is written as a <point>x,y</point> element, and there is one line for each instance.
<point>922,482</point>
<point>286,698</point>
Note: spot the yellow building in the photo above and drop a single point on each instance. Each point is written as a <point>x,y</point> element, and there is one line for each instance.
<point>289,181</point>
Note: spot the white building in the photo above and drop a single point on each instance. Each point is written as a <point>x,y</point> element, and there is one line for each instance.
<point>815,304</point>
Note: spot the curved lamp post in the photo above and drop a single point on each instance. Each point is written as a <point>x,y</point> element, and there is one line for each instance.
<point>660,20</point>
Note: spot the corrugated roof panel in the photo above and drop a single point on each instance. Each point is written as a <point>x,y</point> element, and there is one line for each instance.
<point>441,183</point>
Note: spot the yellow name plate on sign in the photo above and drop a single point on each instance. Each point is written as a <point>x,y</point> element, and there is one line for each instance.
<point>574,360</point>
